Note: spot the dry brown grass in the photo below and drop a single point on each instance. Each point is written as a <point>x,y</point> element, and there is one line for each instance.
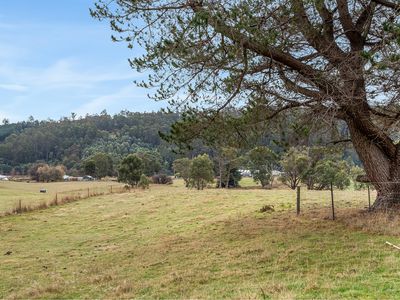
<point>38,291</point>
<point>371,222</point>
<point>13,192</point>
<point>124,288</point>
<point>58,200</point>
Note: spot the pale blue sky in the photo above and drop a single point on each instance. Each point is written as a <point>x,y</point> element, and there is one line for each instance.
<point>55,59</point>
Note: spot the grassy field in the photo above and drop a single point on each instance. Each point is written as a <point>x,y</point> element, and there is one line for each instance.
<point>170,242</point>
<point>29,193</point>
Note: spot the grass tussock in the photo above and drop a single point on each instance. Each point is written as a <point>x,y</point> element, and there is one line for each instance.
<point>37,291</point>
<point>372,222</point>
<point>124,288</point>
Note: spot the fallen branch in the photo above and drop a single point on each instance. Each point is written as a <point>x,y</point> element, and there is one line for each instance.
<point>390,244</point>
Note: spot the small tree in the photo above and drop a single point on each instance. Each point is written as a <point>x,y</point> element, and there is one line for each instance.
<point>103,164</point>
<point>151,161</point>
<point>144,182</point>
<point>228,162</point>
<point>201,171</point>
<point>56,173</point>
<point>89,167</point>
<point>33,170</point>
<point>234,177</point>
<point>130,170</point>
<point>43,173</point>
<point>295,164</point>
<point>315,154</point>
<point>182,169</point>
<point>46,173</point>
<point>261,161</point>
<point>332,171</point>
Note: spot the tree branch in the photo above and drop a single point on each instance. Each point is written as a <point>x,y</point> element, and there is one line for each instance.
<point>388,4</point>
<point>354,37</point>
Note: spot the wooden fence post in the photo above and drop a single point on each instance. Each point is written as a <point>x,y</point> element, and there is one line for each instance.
<point>111,188</point>
<point>298,201</point>
<point>333,205</point>
<point>20,206</point>
<point>88,193</point>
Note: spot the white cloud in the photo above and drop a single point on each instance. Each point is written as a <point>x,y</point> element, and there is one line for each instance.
<point>127,93</point>
<point>68,72</point>
<point>63,73</point>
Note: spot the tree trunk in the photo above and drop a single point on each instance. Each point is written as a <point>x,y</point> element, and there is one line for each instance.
<point>228,170</point>
<point>383,170</point>
<point>220,172</point>
<point>388,197</point>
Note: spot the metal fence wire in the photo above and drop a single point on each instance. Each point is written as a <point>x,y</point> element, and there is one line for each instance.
<point>334,199</point>
<point>56,198</point>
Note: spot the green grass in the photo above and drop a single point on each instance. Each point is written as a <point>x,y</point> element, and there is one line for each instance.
<point>170,242</point>
<point>29,193</point>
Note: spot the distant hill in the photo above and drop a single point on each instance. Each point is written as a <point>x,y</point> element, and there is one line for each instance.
<point>69,141</point>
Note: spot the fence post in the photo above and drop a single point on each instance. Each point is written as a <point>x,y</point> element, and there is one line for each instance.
<point>20,206</point>
<point>111,188</point>
<point>56,198</point>
<point>369,198</point>
<point>88,193</point>
<point>333,205</point>
<point>298,201</point>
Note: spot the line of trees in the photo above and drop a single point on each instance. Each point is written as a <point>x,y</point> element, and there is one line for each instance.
<point>316,167</point>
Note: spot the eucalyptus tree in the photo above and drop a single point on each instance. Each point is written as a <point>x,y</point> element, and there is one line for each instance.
<point>337,59</point>
<point>201,171</point>
<point>261,162</point>
<point>130,170</point>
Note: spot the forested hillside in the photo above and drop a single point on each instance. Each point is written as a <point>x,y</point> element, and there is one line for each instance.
<point>70,140</point>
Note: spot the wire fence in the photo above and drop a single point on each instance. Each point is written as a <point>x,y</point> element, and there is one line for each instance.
<point>58,198</point>
<point>306,200</point>
<point>333,199</point>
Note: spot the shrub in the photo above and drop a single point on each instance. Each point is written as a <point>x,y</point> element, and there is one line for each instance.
<point>295,163</point>
<point>161,179</point>
<point>130,170</point>
<point>99,165</point>
<point>234,177</point>
<point>330,171</point>
<point>33,170</point>
<point>182,169</point>
<point>45,173</point>
<point>201,171</point>
<point>261,161</point>
<point>144,182</point>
